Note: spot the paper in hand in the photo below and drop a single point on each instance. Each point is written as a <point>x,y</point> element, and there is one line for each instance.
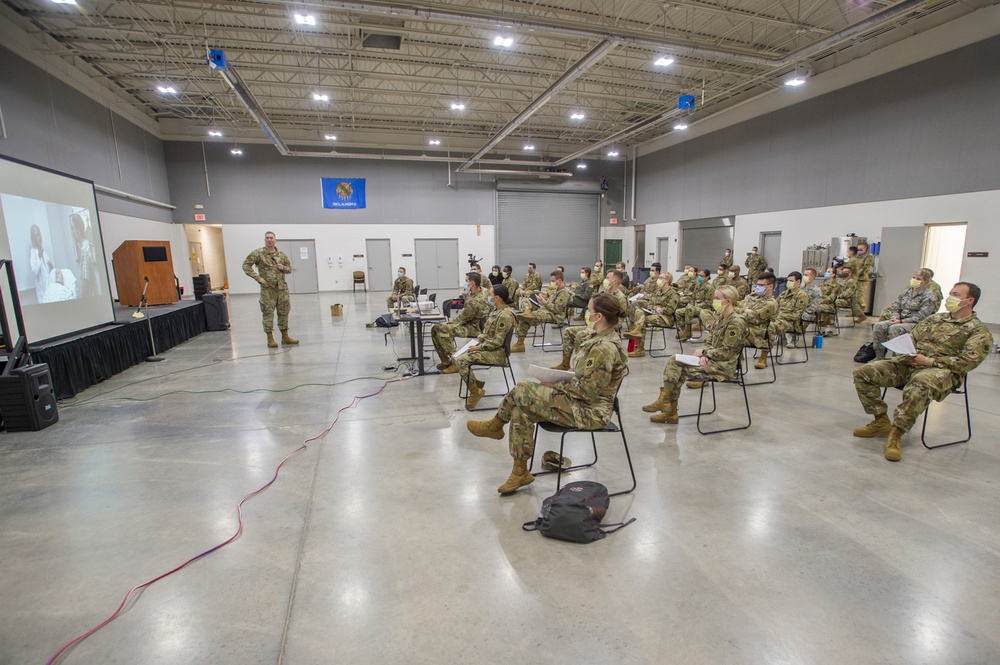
<point>635,297</point>
<point>687,359</point>
<point>465,349</point>
<point>903,345</point>
<point>547,375</point>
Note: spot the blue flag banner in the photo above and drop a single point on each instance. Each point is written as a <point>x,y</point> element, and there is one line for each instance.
<point>339,193</point>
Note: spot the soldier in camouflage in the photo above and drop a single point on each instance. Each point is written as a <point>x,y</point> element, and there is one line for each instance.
<point>758,309</point>
<point>755,263</point>
<point>573,338</point>
<point>582,293</point>
<point>489,347</point>
<point>813,291</point>
<point>847,290</point>
<point>552,309</point>
<point>932,286</point>
<point>741,284</point>
<point>402,290</point>
<point>685,285</point>
<point>717,359</point>
<point>853,264</point>
<point>722,276</point>
<point>829,292</point>
<point>466,324</point>
<point>727,260</point>
<point>866,264</point>
<point>530,285</point>
<point>949,346</point>
<point>912,306</point>
<point>510,282</point>
<point>272,266</point>
<point>700,302</point>
<point>792,302</point>
<point>662,306</point>
<point>585,401</point>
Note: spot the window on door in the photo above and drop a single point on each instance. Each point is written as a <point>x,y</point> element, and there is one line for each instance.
<point>944,247</point>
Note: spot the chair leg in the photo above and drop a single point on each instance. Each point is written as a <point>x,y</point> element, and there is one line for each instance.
<point>746,401</point>
<point>968,426</point>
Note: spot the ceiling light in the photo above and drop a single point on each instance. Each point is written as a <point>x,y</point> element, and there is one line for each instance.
<point>457,106</point>
<point>581,165</point>
<point>529,146</point>
<point>167,89</point>
<point>681,124</point>
<point>321,97</point>
<point>330,137</point>
<point>305,19</point>
<point>664,61</point>
<point>577,115</point>
<point>505,42</point>
<point>214,132</point>
<point>799,76</point>
<point>795,82</point>
<point>236,151</point>
<point>612,153</point>
<point>434,142</point>
<point>64,2</point>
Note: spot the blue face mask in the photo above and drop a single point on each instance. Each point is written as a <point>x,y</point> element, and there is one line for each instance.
<point>759,289</point>
<point>700,279</point>
<point>399,274</point>
<point>826,275</point>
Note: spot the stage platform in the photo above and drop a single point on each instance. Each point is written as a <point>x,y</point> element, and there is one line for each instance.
<point>80,361</point>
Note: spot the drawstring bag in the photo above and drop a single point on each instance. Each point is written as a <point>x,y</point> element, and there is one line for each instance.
<point>574,513</point>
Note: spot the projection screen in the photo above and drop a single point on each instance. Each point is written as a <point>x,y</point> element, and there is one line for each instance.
<point>53,236</point>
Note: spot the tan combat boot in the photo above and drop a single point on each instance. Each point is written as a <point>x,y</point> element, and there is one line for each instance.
<point>476,393</point>
<point>450,369</point>
<point>878,427</point>
<point>762,361</point>
<point>640,348</point>
<point>518,346</point>
<point>271,344</point>
<point>519,477</point>
<point>285,339</point>
<point>635,332</point>
<point>488,429</point>
<point>659,403</point>
<point>684,334</point>
<point>695,385</point>
<point>563,365</point>
<point>667,414</point>
<point>892,452</point>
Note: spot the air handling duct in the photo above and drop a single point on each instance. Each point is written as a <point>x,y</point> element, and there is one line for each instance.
<point>217,61</point>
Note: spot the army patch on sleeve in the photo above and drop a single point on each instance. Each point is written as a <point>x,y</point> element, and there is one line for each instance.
<point>731,333</point>
<point>590,362</point>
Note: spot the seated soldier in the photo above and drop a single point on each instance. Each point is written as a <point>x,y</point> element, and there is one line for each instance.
<point>459,302</point>
<point>574,337</point>
<point>700,306</point>
<point>466,324</point>
<point>583,291</point>
<point>717,359</point>
<point>722,276</point>
<point>758,309</point>
<point>829,290</point>
<point>510,282</point>
<point>489,347</point>
<point>949,346</point>
<point>597,276</point>
<point>530,285</point>
<point>847,289</point>
<point>402,290</point>
<point>551,309</point>
<point>626,282</point>
<point>815,295</point>
<point>742,286</point>
<point>792,303</point>
<point>662,308</point>
<point>912,306</point>
<point>649,287</point>
<point>685,284</point>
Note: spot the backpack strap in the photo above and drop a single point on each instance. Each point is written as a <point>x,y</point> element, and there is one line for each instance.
<point>617,526</point>
<point>533,525</point>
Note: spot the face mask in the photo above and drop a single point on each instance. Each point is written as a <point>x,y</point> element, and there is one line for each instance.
<point>951,304</point>
<point>506,274</point>
<point>914,283</point>
<point>606,284</point>
<point>492,303</point>
<point>468,287</point>
<point>826,275</point>
<point>861,252</point>
<point>759,289</point>
<point>790,284</point>
<point>806,279</point>
<point>583,276</point>
<point>496,272</point>
<point>727,252</point>
<point>399,274</point>
<point>754,251</point>
<point>700,279</point>
<point>717,306</point>
<point>690,272</point>
<point>722,272</point>
<point>588,320</point>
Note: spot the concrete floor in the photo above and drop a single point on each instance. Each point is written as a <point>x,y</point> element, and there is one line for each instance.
<point>385,541</point>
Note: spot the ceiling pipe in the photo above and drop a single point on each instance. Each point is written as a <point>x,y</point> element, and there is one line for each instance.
<point>570,75</point>
<point>253,107</point>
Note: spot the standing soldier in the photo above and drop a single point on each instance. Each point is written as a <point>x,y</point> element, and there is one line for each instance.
<point>466,324</point>
<point>866,264</point>
<point>854,263</point>
<point>755,263</point>
<point>727,260</point>
<point>402,290</point>
<point>272,266</point>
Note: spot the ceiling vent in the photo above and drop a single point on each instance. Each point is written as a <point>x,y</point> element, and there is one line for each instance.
<point>373,40</point>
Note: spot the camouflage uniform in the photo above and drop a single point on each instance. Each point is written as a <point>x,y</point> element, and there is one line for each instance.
<point>741,285</point>
<point>757,313</point>
<point>573,338</point>
<point>721,280</point>
<point>704,293</point>
<point>402,287</point>
<point>585,401</point>
<point>954,348</point>
<point>511,285</point>
<point>865,265</point>
<point>754,263</point>
<point>846,291</point>
<point>936,290</point>
<point>854,304</point>
<point>274,290</point>
<point>553,310</point>
<point>727,261</point>
<point>667,299</point>
<point>912,307</point>
<point>791,304</point>
<point>685,285</point>
<point>531,284</point>
<point>489,346</point>
<point>466,324</point>
<point>829,292</point>
<point>722,348</point>
<point>815,296</point>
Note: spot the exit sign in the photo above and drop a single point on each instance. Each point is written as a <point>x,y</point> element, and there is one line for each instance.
<point>199,217</point>
<point>614,220</point>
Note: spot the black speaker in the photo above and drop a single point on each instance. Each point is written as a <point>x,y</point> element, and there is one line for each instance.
<point>27,401</point>
<point>216,312</point>
<point>202,285</point>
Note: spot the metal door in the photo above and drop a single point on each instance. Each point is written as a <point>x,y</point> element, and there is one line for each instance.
<point>612,253</point>
<point>641,260</point>
<point>380,274</point>
<point>197,258</point>
<point>770,249</point>
<point>437,264</point>
<point>900,252</point>
<point>663,253</point>
<point>304,277</point>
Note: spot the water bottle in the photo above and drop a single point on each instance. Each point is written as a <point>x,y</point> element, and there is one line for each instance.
<point>819,341</point>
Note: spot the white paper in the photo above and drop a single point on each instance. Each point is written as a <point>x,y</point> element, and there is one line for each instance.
<point>465,349</point>
<point>903,345</point>
<point>647,311</point>
<point>687,359</point>
<point>547,375</point>
<point>304,252</point>
<point>635,297</point>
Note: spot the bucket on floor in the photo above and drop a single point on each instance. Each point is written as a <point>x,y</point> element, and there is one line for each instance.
<point>336,310</point>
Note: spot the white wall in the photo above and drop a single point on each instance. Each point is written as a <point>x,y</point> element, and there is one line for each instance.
<point>346,240</point>
<point>116,229</point>
<point>212,250</point>
<point>801,228</point>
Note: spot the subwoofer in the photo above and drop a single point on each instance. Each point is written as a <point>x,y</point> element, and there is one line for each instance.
<point>27,400</point>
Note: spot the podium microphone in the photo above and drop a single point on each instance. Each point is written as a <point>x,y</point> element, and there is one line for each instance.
<point>138,312</point>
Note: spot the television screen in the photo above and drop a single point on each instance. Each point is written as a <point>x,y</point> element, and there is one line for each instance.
<point>53,237</point>
<point>151,254</point>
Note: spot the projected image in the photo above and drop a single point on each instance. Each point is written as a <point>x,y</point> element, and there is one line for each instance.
<point>57,243</point>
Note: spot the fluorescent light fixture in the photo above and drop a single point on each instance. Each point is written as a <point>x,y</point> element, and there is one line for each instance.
<point>581,165</point>
<point>167,89</point>
<point>795,82</point>
<point>305,19</point>
<point>681,124</point>
<point>529,146</point>
<point>214,132</point>
<point>253,107</point>
<point>321,97</point>
<point>799,76</point>
<point>330,137</point>
<point>503,41</point>
<point>664,61</point>
<point>612,153</point>
<point>577,115</point>
<point>457,106</point>
<point>236,151</point>
<point>434,142</point>
<point>64,2</point>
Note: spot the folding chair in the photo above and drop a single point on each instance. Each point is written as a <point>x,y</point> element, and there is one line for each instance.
<point>739,380</point>
<point>651,350</point>
<point>504,368</point>
<point>549,347</point>
<point>964,391</point>
<point>799,332</point>
<point>770,352</point>
<point>610,428</point>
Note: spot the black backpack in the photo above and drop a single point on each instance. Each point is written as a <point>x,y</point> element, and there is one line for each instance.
<point>574,513</point>
<point>865,354</point>
<point>386,321</point>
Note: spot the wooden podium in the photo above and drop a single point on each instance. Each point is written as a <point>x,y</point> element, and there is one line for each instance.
<point>135,260</point>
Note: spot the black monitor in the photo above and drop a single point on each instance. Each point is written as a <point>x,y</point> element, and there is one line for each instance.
<point>151,254</point>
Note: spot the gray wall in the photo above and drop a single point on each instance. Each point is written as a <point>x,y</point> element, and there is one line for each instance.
<point>928,129</point>
<point>51,124</point>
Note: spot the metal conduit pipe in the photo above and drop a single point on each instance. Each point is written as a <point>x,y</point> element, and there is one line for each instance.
<point>118,194</point>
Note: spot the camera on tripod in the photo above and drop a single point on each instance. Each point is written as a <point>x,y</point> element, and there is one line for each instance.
<point>473,260</point>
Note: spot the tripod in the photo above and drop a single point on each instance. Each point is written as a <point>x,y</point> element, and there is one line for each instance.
<point>139,315</point>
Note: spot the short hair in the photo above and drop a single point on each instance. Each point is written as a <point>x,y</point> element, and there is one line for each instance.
<point>768,278</point>
<point>620,263</point>
<point>852,250</point>
<point>845,269</point>
<point>723,266</point>
<point>476,265</point>
<point>500,291</point>
<point>705,272</point>
<point>930,271</point>
<point>508,269</point>
<point>402,268</point>
<point>657,266</point>
<point>769,270</point>
<point>619,274</point>
<point>496,268</point>
<point>735,270</point>
<point>561,268</point>
<point>796,274</point>
<point>607,306</point>
<point>532,264</point>
<point>667,276</point>
<point>812,270</point>
<point>586,270</point>
<point>266,233</point>
<point>974,292</point>
<point>925,274</point>
<point>729,293</point>
<point>556,274</point>
<point>475,278</point>
<point>862,244</point>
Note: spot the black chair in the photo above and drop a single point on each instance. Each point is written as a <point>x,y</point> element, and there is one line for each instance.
<point>504,368</point>
<point>773,364</point>
<point>849,318</point>
<point>652,350</point>
<point>549,347</point>
<point>610,428</point>
<point>798,333</point>
<point>964,391</point>
<point>739,380</point>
